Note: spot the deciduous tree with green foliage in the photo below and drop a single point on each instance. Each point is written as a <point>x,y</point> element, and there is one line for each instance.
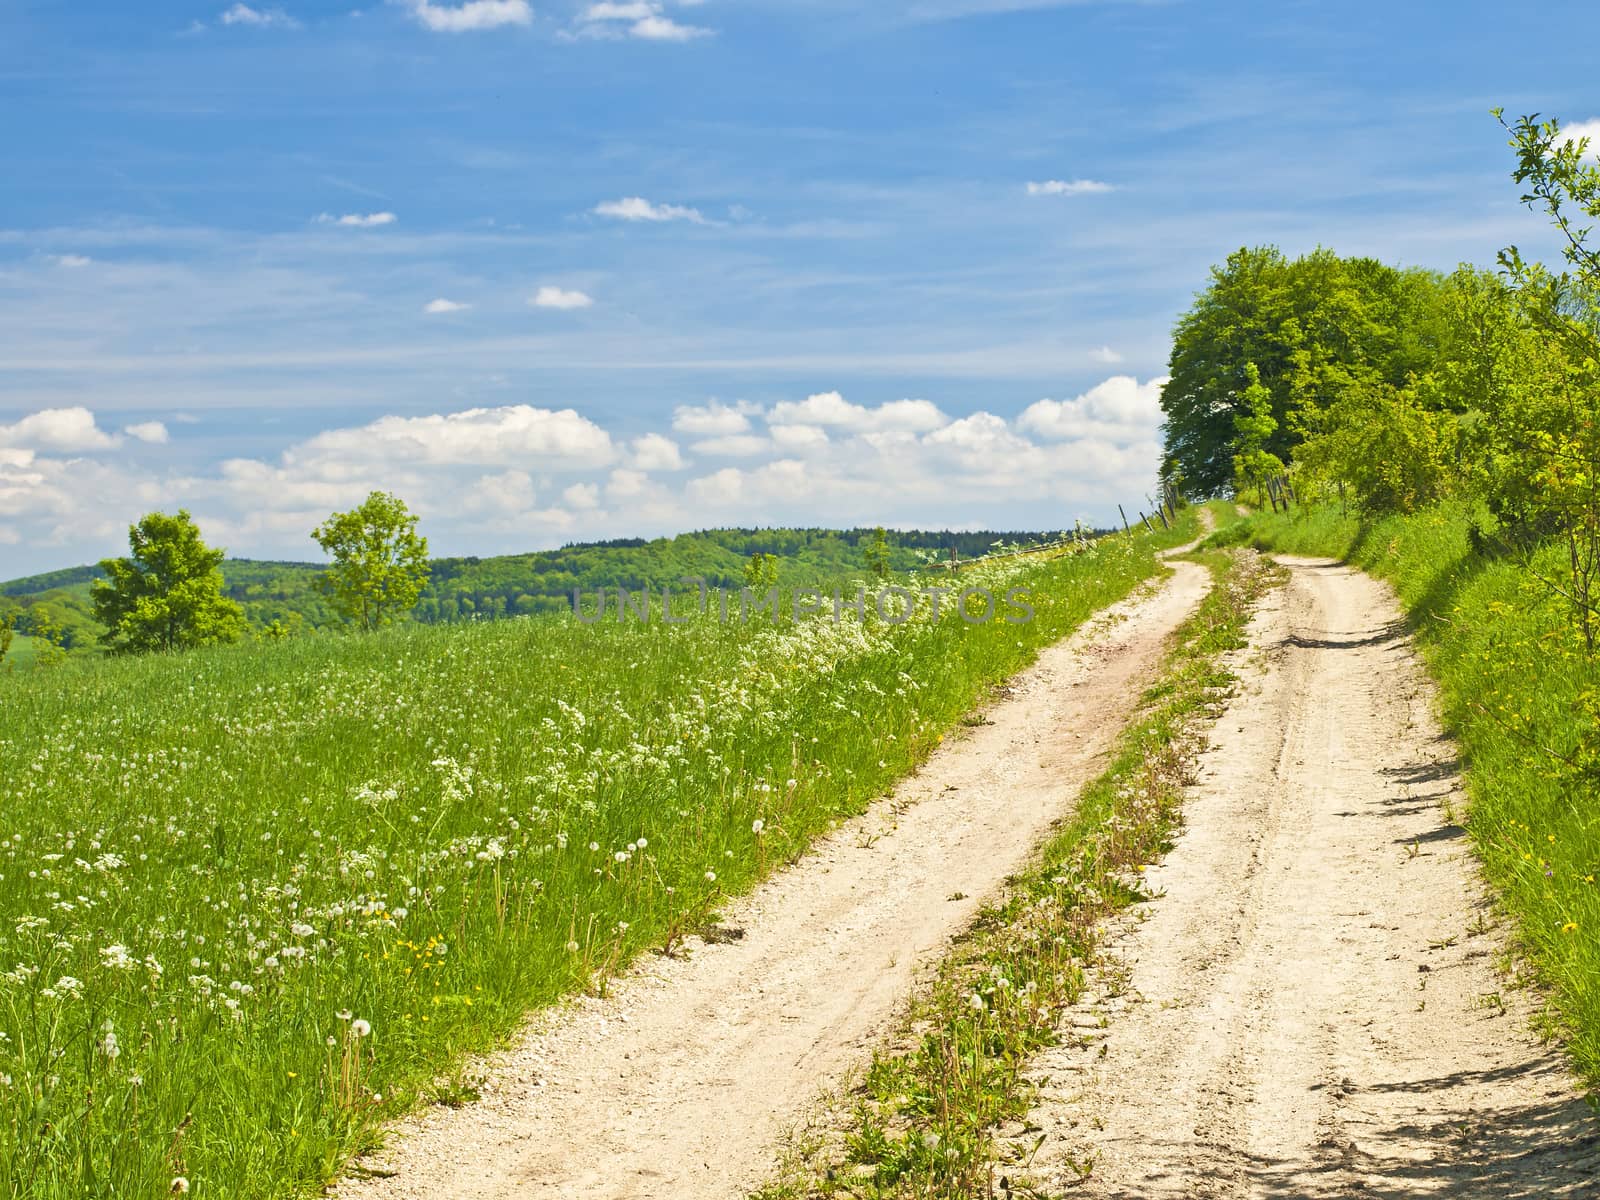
<point>380,562</point>
<point>1313,326</point>
<point>1254,425</point>
<point>8,630</point>
<point>877,553</point>
<point>167,594</point>
<point>1560,450</point>
<point>761,571</point>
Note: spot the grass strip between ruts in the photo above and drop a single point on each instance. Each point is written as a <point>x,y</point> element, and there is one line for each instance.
<point>924,1118</point>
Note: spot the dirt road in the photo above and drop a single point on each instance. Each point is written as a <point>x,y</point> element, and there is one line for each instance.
<point>1312,1008</point>
<point>679,1084</point>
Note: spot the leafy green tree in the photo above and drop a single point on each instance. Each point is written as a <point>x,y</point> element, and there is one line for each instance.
<point>877,553</point>
<point>1314,327</point>
<point>1254,426</point>
<point>380,563</point>
<point>1396,449</point>
<point>167,595</point>
<point>761,572</point>
<point>49,638</point>
<point>8,630</point>
<point>1559,452</point>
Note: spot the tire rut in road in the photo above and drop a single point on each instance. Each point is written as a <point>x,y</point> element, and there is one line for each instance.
<point>1310,1009</point>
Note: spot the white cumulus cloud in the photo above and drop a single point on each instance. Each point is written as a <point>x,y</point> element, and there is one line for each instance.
<point>832,409</point>
<point>582,495</point>
<point>153,433</point>
<point>712,419</point>
<point>1119,408</point>
<point>554,297</point>
<point>733,445</point>
<point>65,430</point>
<point>511,436</point>
<point>799,437</point>
<point>441,305</point>
<point>1578,130</point>
<point>653,452</point>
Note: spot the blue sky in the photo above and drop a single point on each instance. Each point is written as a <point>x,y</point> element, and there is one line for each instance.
<point>558,270</point>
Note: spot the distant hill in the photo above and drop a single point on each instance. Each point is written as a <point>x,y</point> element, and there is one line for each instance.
<point>518,584</point>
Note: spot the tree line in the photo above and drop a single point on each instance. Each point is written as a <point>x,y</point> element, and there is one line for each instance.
<point>56,612</point>
<point>172,591</point>
<point>1390,388</point>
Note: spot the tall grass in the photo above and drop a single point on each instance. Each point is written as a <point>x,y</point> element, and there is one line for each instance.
<point>21,655</point>
<point>254,900</point>
<point>1523,699</point>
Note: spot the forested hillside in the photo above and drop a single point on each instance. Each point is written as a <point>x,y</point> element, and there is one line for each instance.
<point>56,605</point>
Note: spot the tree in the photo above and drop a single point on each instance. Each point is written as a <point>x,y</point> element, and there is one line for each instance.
<point>1314,327</point>
<point>8,630</point>
<point>167,595</point>
<point>1254,425</point>
<point>877,553</point>
<point>761,572</point>
<point>1559,456</point>
<point>49,639</point>
<point>380,563</point>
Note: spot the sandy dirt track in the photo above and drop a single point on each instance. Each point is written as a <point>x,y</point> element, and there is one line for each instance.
<point>1307,1011</point>
<point>680,1084</point>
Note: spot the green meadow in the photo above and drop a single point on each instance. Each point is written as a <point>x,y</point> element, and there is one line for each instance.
<point>257,899</point>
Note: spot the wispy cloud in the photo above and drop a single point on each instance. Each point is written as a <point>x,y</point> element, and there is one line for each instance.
<point>637,208</point>
<point>442,305</point>
<point>644,19</point>
<point>554,297</point>
<point>358,220</point>
<point>1068,187</point>
<point>71,260</point>
<point>469,17</point>
<point>243,14</point>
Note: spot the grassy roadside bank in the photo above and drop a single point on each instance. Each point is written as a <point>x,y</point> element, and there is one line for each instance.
<point>923,1122</point>
<point>256,900</point>
<point>1522,699</point>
